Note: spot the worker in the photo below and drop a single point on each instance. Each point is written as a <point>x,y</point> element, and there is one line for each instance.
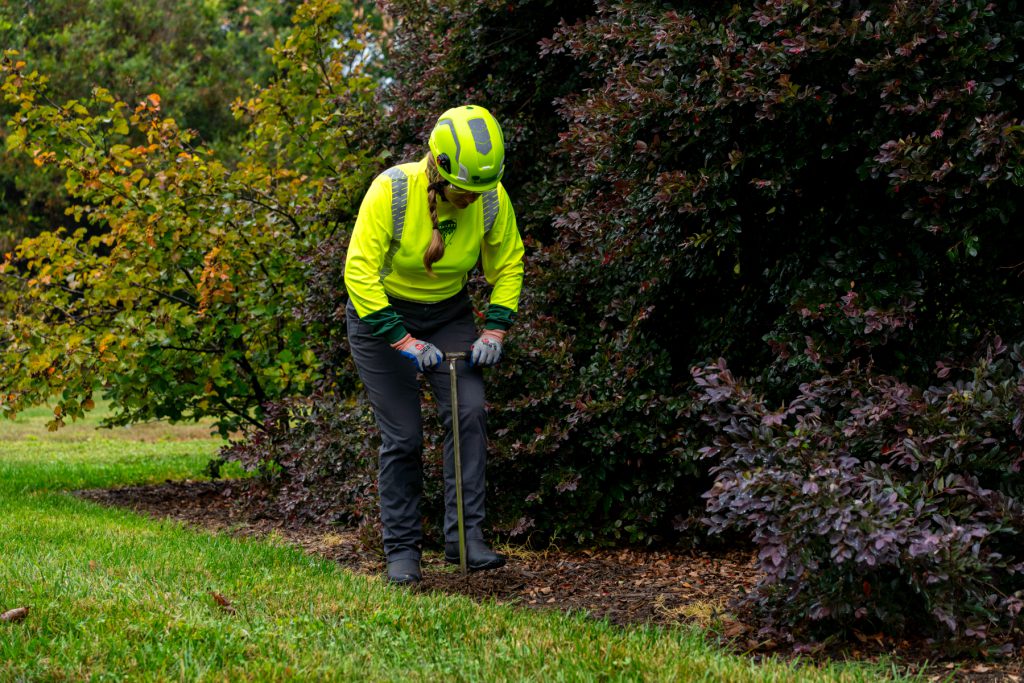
<point>422,227</point>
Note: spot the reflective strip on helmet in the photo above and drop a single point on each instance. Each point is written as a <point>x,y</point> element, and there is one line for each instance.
<point>463,173</point>
<point>481,136</point>
<point>399,202</point>
<point>491,204</point>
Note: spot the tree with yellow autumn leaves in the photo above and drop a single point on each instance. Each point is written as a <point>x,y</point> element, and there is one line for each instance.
<point>178,301</point>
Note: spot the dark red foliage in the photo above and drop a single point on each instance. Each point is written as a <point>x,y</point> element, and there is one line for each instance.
<point>803,188</point>
<point>318,457</point>
<point>877,504</point>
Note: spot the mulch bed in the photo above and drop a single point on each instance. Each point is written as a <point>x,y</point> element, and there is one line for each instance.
<point>625,587</point>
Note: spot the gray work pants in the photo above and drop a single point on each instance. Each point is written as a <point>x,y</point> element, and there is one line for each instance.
<point>392,383</point>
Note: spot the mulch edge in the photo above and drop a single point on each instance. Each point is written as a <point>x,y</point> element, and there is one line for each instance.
<point>725,628</point>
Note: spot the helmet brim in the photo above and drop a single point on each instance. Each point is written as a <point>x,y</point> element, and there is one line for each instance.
<point>481,187</point>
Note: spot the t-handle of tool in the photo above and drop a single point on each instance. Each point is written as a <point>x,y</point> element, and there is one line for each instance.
<point>451,357</point>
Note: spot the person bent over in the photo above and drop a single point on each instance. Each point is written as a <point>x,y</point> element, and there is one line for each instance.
<point>421,228</point>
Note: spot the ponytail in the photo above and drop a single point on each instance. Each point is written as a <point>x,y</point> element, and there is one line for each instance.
<point>435,251</point>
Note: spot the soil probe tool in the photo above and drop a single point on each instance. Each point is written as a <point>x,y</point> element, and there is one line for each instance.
<point>452,357</point>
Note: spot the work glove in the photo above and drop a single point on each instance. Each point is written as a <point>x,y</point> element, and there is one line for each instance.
<point>423,354</point>
<point>486,350</point>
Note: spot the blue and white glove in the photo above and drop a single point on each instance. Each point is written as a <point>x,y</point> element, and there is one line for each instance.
<point>487,349</point>
<point>424,355</point>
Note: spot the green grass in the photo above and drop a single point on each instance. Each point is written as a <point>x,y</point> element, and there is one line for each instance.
<point>117,596</point>
<point>31,424</point>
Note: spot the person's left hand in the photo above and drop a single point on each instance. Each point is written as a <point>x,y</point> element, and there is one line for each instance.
<point>487,349</point>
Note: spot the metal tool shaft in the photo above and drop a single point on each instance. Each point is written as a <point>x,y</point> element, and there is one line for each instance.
<point>452,357</point>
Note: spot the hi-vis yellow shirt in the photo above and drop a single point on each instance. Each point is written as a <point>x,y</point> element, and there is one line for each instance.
<point>392,232</point>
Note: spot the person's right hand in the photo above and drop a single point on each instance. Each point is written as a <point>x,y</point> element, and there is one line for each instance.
<point>424,355</point>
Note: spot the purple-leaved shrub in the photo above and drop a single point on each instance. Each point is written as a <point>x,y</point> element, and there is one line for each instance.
<point>876,504</point>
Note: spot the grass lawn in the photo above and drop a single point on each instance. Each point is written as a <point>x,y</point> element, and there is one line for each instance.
<point>116,596</point>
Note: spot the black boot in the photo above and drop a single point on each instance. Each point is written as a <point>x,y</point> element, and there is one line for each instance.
<point>478,555</point>
<point>405,572</point>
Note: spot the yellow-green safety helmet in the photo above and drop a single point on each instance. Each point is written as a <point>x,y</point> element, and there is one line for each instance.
<point>468,148</point>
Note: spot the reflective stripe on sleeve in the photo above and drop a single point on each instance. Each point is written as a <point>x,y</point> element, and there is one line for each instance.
<point>491,204</point>
<point>399,202</point>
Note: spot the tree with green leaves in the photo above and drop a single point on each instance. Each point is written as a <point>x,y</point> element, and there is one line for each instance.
<point>200,55</point>
<point>181,302</point>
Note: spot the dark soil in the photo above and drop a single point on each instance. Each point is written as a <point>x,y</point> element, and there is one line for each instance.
<point>626,587</point>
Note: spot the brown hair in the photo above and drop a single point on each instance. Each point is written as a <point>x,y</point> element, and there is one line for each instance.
<point>435,185</point>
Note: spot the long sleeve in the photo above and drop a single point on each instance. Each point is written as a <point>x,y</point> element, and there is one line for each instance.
<point>367,251</point>
<point>502,257</point>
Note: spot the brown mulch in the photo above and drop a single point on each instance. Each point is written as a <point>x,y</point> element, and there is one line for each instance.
<point>625,587</point>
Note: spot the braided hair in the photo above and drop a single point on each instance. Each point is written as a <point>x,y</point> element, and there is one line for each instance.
<point>436,185</point>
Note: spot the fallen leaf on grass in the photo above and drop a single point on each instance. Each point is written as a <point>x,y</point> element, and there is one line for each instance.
<point>734,629</point>
<point>15,615</point>
<point>223,603</point>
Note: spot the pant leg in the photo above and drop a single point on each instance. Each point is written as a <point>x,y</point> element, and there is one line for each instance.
<point>458,334</point>
<point>393,388</point>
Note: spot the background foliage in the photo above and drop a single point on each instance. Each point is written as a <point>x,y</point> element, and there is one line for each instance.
<point>199,55</point>
<point>823,194</point>
<point>182,305</point>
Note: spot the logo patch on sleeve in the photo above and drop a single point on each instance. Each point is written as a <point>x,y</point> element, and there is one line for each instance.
<point>447,229</point>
